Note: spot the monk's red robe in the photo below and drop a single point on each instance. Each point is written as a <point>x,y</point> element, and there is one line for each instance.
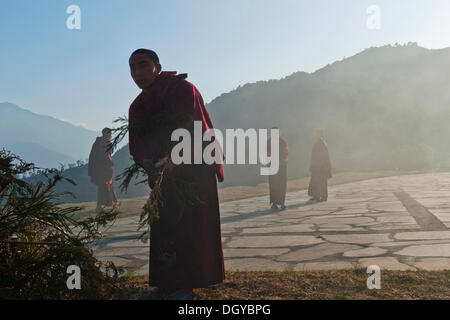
<point>195,240</point>
<point>320,169</point>
<point>101,171</point>
<point>278,181</point>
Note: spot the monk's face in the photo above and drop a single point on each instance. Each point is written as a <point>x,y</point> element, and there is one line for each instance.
<point>143,70</point>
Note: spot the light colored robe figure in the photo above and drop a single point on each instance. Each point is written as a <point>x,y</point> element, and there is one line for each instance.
<point>101,171</point>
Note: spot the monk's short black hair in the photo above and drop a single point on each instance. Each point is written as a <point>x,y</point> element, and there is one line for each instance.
<point>106,131</point>
<point>152,54</point>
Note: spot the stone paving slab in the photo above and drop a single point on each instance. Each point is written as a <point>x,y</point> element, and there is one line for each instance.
<point>397,223</point>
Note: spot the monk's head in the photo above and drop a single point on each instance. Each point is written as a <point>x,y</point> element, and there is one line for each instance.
<point>144,67</point>
<point>106,132</point>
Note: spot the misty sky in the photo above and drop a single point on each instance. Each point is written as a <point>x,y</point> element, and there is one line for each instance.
<point>82,76</point>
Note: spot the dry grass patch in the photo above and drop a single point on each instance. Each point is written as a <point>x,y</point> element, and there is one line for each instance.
<point>310,285</point>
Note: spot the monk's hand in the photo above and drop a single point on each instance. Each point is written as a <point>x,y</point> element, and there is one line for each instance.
<point>161,162</point>
<point>151,171</point>
<point>166,164</point>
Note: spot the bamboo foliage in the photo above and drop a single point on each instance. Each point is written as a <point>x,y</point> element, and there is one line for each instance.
<point>39,239</point>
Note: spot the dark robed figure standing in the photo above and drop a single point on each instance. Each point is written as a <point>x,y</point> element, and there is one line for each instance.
<point>194,240</point>
<point>320,169</point>
<point>101,170</point>
<point>278,181</point>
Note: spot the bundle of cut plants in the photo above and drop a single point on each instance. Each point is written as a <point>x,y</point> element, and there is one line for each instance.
<point>163,177</point>
<point>39,240</point>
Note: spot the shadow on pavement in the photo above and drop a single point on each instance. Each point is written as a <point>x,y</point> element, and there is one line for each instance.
<point>262,213</point>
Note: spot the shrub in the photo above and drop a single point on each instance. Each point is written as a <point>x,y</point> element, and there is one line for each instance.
<point>39,240</point>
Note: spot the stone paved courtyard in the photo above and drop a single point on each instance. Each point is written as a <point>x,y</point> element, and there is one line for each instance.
<point>397,223</point>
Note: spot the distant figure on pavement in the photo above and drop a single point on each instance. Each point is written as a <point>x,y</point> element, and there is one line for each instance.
<point>101,171</point>
<point>278,181</point>
<point>320,169</point>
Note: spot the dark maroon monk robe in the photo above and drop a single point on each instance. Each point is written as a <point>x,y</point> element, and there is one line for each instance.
<point>194,241</point>
<point>320,169</point>
<point>101,171</point>
<point>278,181</point>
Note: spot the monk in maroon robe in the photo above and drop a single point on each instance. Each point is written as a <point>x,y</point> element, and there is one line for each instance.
<point>320,169</point>
<point>278,181</point>
<point>194,240</point>
<point>101,171</point>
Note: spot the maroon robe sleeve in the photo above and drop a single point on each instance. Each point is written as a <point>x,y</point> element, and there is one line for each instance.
<point>185,98</point>
<point>101,166</point>
<point>285,151</point>
<point>135,144</point>
<point>320,158</point>
<point>328,160</point>
<point>92,156</point>
<point>314,156</point>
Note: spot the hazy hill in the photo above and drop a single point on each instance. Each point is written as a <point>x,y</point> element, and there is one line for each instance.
<point>41,139</point>
<point>40,155</point>
<point>384,108</point>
